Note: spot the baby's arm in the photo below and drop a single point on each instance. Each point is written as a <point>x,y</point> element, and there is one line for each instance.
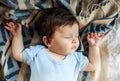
<point>17,39</point>
<point>94,51</point>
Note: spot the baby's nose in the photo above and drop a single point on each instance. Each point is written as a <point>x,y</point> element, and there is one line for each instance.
<point>74,40</point>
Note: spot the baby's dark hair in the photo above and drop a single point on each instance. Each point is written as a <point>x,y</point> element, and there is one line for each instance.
<point>52,18</point>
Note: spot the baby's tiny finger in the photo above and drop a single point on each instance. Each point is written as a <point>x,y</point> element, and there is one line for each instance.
<point>96,34</point>
<point>101,35</point>
<point>88,36</point>
<point>10,24</point>
<point>92,35</point>
<point>8,28</point>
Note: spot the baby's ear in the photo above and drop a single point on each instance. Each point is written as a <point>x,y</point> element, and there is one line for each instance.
<point>46,41</point>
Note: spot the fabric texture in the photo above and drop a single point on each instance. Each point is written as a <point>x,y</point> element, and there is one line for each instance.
<point>93,15</point>
<point>39,59</point>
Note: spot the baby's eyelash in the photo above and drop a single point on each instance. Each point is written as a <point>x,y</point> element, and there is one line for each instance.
<point>68,37</point>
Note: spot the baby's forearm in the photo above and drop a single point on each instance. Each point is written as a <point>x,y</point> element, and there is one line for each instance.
<point>17,47</point>
<point>94,56</point>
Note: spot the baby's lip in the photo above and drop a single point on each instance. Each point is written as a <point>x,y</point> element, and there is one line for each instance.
<point>74,47</point>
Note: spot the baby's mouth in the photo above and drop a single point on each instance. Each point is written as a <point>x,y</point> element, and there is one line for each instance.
<point>74,47</point>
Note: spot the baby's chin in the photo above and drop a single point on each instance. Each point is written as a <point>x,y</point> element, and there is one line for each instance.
<point>69,53</point>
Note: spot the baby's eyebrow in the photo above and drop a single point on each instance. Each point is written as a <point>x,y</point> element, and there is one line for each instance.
<point>76,33</point>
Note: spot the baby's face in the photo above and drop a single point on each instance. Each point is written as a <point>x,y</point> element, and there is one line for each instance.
<point>65,40</point>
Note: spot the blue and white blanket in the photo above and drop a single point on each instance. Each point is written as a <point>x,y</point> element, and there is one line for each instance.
<point>93,15</point>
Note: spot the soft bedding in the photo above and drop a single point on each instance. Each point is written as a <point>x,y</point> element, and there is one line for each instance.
<point>93,15</point>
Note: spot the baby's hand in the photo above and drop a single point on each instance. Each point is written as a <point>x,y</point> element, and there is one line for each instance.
<point>14,27</point>
<point>94,39</point>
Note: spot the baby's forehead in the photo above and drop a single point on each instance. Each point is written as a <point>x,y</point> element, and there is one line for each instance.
<point>68,29</point>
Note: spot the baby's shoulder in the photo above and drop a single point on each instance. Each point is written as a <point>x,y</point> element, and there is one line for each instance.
<point>36,48</point>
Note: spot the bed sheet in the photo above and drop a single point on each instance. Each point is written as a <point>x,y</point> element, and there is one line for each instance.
<point>93,16</point>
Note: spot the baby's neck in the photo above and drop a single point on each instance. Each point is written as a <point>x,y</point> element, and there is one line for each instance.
<point>56,56</point>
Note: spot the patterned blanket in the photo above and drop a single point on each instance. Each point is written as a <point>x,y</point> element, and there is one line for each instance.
<point>93,16</point>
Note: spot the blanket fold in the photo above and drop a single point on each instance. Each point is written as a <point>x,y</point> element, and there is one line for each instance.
<point>93,16</point>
